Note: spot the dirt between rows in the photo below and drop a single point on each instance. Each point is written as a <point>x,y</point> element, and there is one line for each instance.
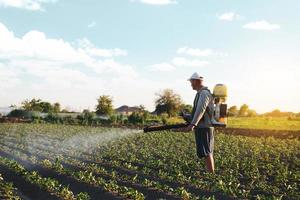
<point>149,192</point>
<point>33,192</point>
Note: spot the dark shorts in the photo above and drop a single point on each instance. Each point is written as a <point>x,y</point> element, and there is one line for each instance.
<point>204,141</point>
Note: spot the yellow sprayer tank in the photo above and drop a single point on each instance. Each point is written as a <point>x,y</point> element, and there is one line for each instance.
<point>220,91</point>
<point>220,107</point>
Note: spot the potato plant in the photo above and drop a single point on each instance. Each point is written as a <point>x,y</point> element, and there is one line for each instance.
<point>130,164</point>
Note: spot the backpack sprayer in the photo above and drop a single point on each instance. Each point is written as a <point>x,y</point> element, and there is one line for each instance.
<point>220,106</point>
<point>219,118</point>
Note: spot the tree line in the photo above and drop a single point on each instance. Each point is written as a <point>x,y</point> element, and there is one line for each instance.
<point>167,104</point>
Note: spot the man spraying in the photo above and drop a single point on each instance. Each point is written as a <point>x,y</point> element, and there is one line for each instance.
<point>201,121</point>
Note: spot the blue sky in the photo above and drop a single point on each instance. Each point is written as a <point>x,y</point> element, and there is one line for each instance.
<point>74,51</point>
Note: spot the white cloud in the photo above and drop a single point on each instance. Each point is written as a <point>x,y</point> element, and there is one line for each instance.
<point>165,67</point>
<point>36,47</point>
<point>180,61</point>
<point>92,24</point>
<point>112,68</point>
<point>156,2</point>
<point>200,52</point>
<point>194,52</point>
<point>56,70</point>
<point>26,4</point>
<point>91,50</point>
<point>262,25</point>
<point>228,16</point>
<point>46,70</point>
<point>56,65</point>
<point>8,77</point>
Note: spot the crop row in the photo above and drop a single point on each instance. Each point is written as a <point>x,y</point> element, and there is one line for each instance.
<point>131,164</point>
<point>48,184</point>
<point>7,190</point>
<point>80,175</point>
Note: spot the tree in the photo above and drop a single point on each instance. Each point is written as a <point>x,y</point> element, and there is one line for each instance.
<point>136,118</point>
<point>186,108</point>
<point>144,112</point>
<point>20,114</point>
<point>233,111</point>
<point>33,105</point>
<point>46,107</point>
<point>243,112</point>
<point>252,113</point>
<point>142,108</point>
<point>56,107</point>
<point>86,118</point>
<point>104,106</point>
<point>168,102</point>
<point>40,106</point>
<point>275,113</point>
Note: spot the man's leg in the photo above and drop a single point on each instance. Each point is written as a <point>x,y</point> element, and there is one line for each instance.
<point>209,161</point>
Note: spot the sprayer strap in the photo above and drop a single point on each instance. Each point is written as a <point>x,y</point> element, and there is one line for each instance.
<point>207,110</point>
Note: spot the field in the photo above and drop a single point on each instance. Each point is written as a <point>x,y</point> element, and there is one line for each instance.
<point>270,123</point>
<point>265,123</point>
<point>77,162</point>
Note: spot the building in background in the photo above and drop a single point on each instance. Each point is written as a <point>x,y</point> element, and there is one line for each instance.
<point>126,110</point>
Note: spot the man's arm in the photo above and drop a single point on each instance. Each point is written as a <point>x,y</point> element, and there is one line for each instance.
<point>203,102</point>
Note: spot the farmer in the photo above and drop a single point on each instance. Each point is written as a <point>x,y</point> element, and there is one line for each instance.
<point>201,121</point>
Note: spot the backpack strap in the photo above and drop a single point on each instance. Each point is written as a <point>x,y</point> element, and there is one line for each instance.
<point>207,110</point>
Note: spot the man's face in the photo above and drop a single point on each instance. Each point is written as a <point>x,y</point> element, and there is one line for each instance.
<point>195,83</point>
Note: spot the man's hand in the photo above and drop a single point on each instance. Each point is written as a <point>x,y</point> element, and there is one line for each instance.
<point>186,129</point>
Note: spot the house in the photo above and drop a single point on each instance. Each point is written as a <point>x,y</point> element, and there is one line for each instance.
<point>126,110</point>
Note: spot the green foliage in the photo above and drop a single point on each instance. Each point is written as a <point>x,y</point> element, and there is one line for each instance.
<point>274,123</point>
<point>104,106</point>
<point>243,112</point>
<point>19,113</point>
<point>113,119</point>
<point>186,108</point>
<point>152,119</point>
<point>56,107</point>
<point>70,120</point>
<point>168,102</point>
<point>53,118</point>
<point>40,106</point>
<point>233,111</point>
<point>251,113</point>
<point>163,162</point>
<point>83,196</point>
<point>175,120</point>
<point>290,118</point>
<point>136,118</point>
<point>86,118</point>
<point>47,184</point>
<point>274,113</point>
<point>278,113</point>
<point>164,118</point>
<point>7,190</point>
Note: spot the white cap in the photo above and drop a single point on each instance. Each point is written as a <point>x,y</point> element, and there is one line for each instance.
<point>195,76</point>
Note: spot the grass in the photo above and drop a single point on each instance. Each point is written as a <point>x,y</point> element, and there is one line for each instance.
<point>275,123</point>
<point>269,123</point>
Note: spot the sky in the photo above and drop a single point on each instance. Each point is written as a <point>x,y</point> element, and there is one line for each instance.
<point>74,51</point>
